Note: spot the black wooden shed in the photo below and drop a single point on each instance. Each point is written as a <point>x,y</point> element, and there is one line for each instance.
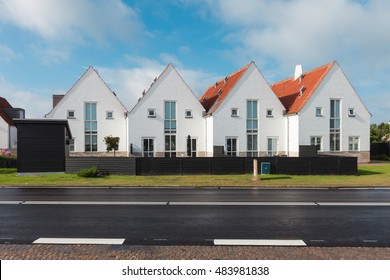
<point>42,145</point>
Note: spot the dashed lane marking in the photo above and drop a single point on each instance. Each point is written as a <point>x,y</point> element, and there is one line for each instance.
<point>84,241</point>
<point>259,242</point>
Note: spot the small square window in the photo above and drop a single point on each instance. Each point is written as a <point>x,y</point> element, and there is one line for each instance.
<point>234,112</point>
<point>188,114</point>
<point>319,112</point>
<point>351,112</point>
<point>109,115</point>
<point>151,113</point>
<point>70,114</point>
<point>270,113</point>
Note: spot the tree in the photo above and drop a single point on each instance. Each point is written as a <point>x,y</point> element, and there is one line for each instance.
<point>112,143</point>
<point>380,133</point>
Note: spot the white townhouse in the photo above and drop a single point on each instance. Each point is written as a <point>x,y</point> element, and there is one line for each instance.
<point>243,116</point>
<point>324,109</point>
<point>93,112</point>
<point>168,120</point>
<point>8,131</point>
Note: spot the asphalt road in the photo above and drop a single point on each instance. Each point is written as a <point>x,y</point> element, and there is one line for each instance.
<point>199,216</point>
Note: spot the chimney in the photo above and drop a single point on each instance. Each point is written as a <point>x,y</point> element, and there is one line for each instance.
<point>298,72</point>
<point>57,98</point>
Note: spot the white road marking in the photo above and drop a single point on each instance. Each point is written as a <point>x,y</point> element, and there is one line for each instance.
<point>95,202</point>
<point>259,242</point>
<point>86,241</point>
<point>11,202</point>
<point>353,203</point>
<point>239,203</point>
<point>197,203</point>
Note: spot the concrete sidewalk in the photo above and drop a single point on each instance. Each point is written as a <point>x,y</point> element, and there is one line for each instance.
<point>123,252</point>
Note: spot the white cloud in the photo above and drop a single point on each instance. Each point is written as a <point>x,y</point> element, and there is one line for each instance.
<point>279,34</point>
<point>35,105</point>
<point>129,83</point>
<point>305,31</point>
<point>73,20</point>
<point>7,54</point>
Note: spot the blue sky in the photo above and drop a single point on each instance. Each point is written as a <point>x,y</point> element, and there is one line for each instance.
<point>46,45</point>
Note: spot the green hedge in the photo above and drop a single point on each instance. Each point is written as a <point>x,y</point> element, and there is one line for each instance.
<point>7,162</point>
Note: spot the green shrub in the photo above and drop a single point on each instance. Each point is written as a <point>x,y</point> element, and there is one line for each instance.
<point>7,161</point>
<point>89,172</point>
<point>381,157</point>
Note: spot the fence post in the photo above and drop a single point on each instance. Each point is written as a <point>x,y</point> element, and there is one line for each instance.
<point>255,171</point>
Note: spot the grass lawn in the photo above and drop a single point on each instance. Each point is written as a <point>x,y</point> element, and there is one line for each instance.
<point>369,175</point>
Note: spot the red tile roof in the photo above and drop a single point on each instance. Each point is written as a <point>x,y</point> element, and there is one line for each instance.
<point>5,105</point>
<point>288,91</point>
<point>216,93</point>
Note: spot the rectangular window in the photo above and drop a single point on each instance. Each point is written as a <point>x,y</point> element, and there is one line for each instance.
<point>91,127</point>
<point>70,114</point>
<point>353,144</point>
<point>351,112</point>
<point>319,112</point>
<point>170,145</point>
<point>148,147</point>
<point>188,114</point>
<point>270,113</point>
<point>191,147</point>
<point>151,113</point>
<point>272,146</point>
<point>231,146</point>
<point>251,116</point>
<point>71,145</point>
<point>335,124</point>
<point>252,145</point>
<point>316,141</point>
<point>109,115</point>
<point>170,117</point>
<point>234,112</point>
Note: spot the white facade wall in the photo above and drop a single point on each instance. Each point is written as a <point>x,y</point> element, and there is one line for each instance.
<point>4,134</point>
<point>209,135</point>
<point>91,88</point>
<point>168,87</point>
<point>292,135</point>
<point>251,86</point>
<point>335,86</point>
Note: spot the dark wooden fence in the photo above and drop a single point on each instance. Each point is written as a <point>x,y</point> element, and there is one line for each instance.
<point>214,165</point>
<point>244,165</point>
<point>110,165</point>
<point>378,149</point>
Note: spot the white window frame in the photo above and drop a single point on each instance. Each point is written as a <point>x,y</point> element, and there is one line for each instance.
<point>188,114</point>
<point>234,112</point>
<point>91,134</point>
<point>72,143</point>
<point>270,113</point>
<point>107,115</point>
<point>351,112</point>
<point>193,148</point>
<point>354,140</point>
<point>274,148</point>
<point>316,142</point>
<point>148,153</point>
<point>151,113</point>
<point>232,153</point>
<point>320,113</point>
<point>70,117</point>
